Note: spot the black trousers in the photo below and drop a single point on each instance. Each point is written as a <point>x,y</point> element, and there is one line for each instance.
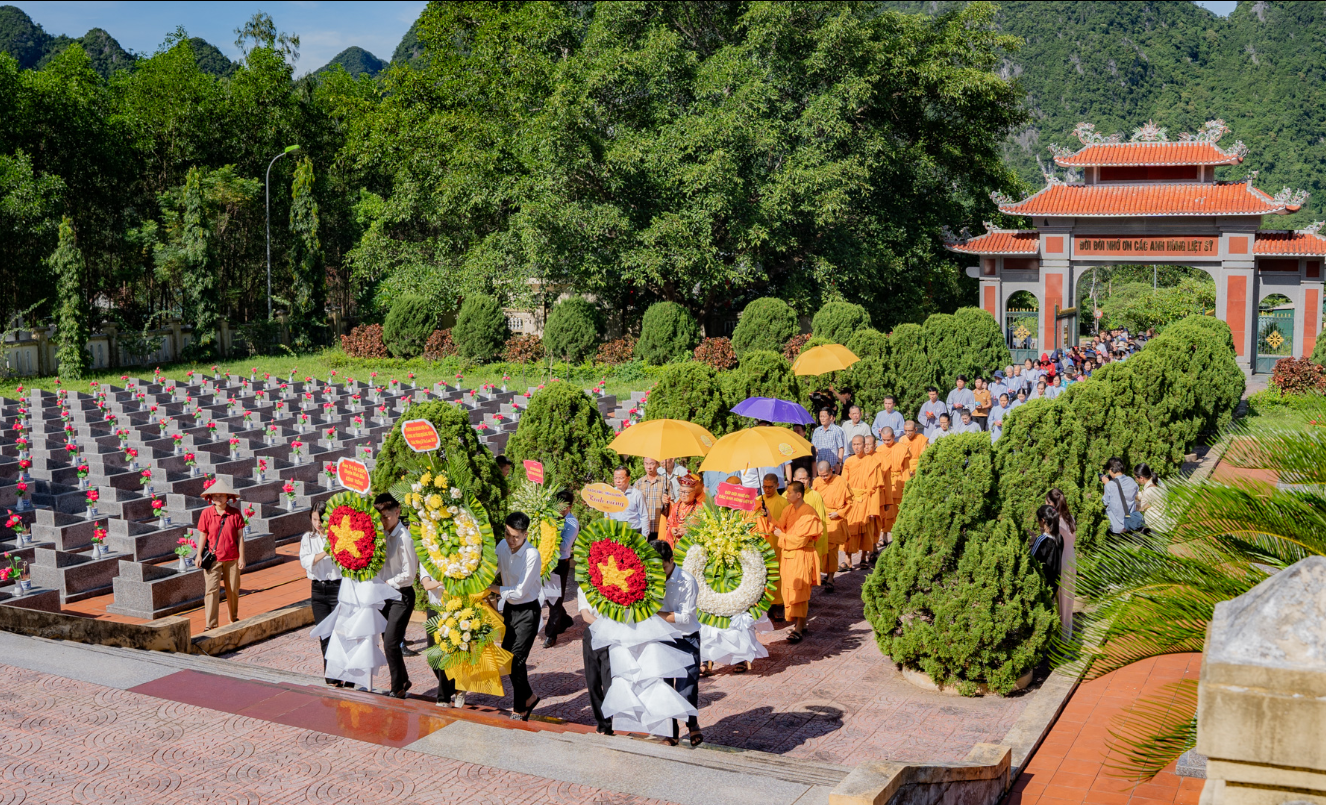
<point>689,685</point>
<point>397,614</point>
<point>598,678</point>
<point>446,687</point>
<point>558,620</point>
<point>323,598</point>
<point>522,626</point>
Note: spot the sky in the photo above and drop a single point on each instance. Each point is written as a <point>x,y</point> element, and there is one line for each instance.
<point>324,28</point>
<point>1220,8</point>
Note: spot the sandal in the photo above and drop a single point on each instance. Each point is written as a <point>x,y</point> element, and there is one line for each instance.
<point>795,637</point>
<point>844,569</point>
<point>697,738</point>
<point>828,587</point>
<point>706,669</point>
<point>524,715</point>
<point>670,741</point>
<point>741,668</point>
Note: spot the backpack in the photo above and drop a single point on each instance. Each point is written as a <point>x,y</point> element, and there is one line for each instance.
<point>1048,550</point>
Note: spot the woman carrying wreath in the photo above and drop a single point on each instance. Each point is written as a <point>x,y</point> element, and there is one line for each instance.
<point>679,511</point>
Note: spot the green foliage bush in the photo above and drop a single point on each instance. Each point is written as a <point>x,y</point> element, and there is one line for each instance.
<point>957,596</point>
<point>480,332</point>
<point>408,326</point>
<point>694,392</point>
<point>968,342</point>
<point>838,321</point>
<point>1319,351</point>
<point>1271,399</point>
<point>760,374</point>
<point>459,439</point>
<point>572,331</point>
<point>868,343</point>
<point>562,428</point>
<point>766,324</point>
<point>911,370</point>
<point>668,333</point>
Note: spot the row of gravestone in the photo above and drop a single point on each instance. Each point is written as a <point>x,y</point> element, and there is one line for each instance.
<point>184,434</point>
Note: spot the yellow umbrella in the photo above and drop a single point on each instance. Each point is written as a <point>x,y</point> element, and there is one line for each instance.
<point>755,447</point>
<point>663,439</point>
<point>824,359</point>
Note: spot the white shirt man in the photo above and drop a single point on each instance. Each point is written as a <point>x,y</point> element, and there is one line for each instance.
<point>930,413</point>
<point>887,418</point>
<point>679,596</point>
<point>520,572</point>
<point>854,426</point>
<point>636,514</point>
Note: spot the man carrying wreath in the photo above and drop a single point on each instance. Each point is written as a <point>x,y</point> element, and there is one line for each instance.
<point>518,592</point>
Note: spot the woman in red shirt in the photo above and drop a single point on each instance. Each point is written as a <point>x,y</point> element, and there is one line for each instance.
<point>221,528</point>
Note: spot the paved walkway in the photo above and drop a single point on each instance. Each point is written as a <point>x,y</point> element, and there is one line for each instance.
<point>833,698</point>
<point>1069,766</point>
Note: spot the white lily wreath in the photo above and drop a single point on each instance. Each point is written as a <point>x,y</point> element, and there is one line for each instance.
<point>754,576</point>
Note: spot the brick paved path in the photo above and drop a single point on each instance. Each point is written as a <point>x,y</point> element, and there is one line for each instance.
<point>832,698</point>
<point>1069,765</point>
<point>65,741</point>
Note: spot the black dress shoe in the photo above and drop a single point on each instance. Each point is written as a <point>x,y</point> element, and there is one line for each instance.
<point>550,641</point>
<point>407,651</point>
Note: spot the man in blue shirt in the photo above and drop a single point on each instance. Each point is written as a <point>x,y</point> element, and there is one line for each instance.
<point>931,410</point>
<point>960,399</point>
<point>1120,497</point>
<point>636,513</point>
<point>887,418</point>
<point>829,441</point>
<point>558,620</point>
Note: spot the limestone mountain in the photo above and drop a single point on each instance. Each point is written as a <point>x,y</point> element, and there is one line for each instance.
<point>1262,70</point>
<point>356,62</point>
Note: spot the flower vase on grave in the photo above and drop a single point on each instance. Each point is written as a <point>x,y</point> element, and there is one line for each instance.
<point>193,471</point>
<point>24,586</point>
<point>165,520</point>
<point>97,550</point>
<point>91,512</point>
<point>186,564</point>
<point>133,466</point>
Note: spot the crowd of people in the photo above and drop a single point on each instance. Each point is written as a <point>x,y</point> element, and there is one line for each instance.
<point>824,514</point>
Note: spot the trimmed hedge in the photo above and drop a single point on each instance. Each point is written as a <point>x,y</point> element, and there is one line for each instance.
<point>481,331</point>
<point>458,438</point>
<point>868,343</point>
<point>766,324</point>
<point>761,374</point>
<point>838,321</point>
<point>408,326</point>
<point>957,596</point>
<point>911,370</point>
<point>968,342</point>
<point>668,333</point>
<point>694,392</point>
<point>572,331</point>
<point>562,428</point>
<point>1319,351</point>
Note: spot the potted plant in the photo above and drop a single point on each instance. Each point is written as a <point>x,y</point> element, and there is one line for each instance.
<point>261,469</point>
<point>178,440</point>
<point>24,464</point>
<point>234,447</point>
<point>16,524</point>
<point>329,469</point>
<point>413,384</point>
<point>16,571</point>
<point>248,515</point>
<point>289,490</point>
<point>358,423</point>
<point>99,541</point>
<point>145,479</point>
<point>159,510</point>
<point>92,497</point>
<point>296,451</point>
<point>185,549</point>
<point>131,453</point>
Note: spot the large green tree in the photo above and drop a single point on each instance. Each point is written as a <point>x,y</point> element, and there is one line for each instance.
<point>72,331</point>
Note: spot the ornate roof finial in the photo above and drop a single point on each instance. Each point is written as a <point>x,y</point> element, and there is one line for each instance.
<point>1048,173</point>
<point>952,239</point>
<point>1054,148</point>
<point>999,198</point>
<point>1291,198</point>
<point>1239,150</point>
<point>1150,133</point>
<point>1086,132</point>
<point>1312,228</point>
<point>1211,132</point>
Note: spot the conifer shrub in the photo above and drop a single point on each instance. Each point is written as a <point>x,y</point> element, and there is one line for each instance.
<point>760,374</point>
<point>968,342</point>
<point>572,331</point>
<point>957,595</point>
<point>1319,351</point>
<point>868,343</point>
<point>871,380</point>
<point>838,321</point>
<point>439,346</point>
<point>481,330</point>
<point>408,326</point>
<point>694,392</point>
<point>717,353</point>
<point>562,428</point>
<point>365,341</point>
<point>766,324</point>
<point>911,370</point>
<point>668,333</point>
<point>459,439</point>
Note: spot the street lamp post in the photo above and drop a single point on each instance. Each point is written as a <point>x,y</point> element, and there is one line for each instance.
<point>288,149</point>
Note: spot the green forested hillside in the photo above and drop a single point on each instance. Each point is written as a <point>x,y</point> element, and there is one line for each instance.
<point>106,54</point>
<point>1119,64</point>
<point>356,62</point>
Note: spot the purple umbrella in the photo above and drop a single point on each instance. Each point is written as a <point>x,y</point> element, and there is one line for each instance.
<point>770,409</point>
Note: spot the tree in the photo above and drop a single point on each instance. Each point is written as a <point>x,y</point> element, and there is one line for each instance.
<point>910,369</point>
<point>760,374</point>
<point>838,321</point>
<point>481,329</point>
<point>458,439</point>
<point>765,324</point>
<point>668,333</point>
<point>72,329</point>
<point>409,326</point>
<point>572,330</point>
<point>28,228</point>
<point>693,392</point>
<point>308,293</point>
<point>957,595</point>
<point>562,428</point>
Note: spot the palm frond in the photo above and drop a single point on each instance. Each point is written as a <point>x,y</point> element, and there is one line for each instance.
<point>1153,732</point>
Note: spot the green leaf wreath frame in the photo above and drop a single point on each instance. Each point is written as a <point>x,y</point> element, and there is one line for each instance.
<point>629,538</point>
<point>483,575</point>
<point>362,504</point>
<point>725,579</point>
<point>440,655</point>
<point>539,503</point>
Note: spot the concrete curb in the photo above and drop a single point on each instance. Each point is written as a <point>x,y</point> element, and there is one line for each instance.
<point>250,630</point>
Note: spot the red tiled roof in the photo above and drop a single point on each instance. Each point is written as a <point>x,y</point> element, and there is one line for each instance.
<point>1001,242</point>
<point>1289,243</point>
<point>1182,153</point>
<point>1236,198</point>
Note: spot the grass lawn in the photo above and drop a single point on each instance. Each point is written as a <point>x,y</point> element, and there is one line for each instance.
<point>620,380</point>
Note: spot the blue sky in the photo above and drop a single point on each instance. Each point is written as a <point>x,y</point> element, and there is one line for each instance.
<point>324,28</point>
<point>1221,8</point>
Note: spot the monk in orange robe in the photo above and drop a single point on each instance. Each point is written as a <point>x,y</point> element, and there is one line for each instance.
<point>862,475</point>
<point>894,458</point>
<point>916,444</point>
<point>797,530</point>
<point>765,520</point>
<point>837,496</point>
<point>885,495</point>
